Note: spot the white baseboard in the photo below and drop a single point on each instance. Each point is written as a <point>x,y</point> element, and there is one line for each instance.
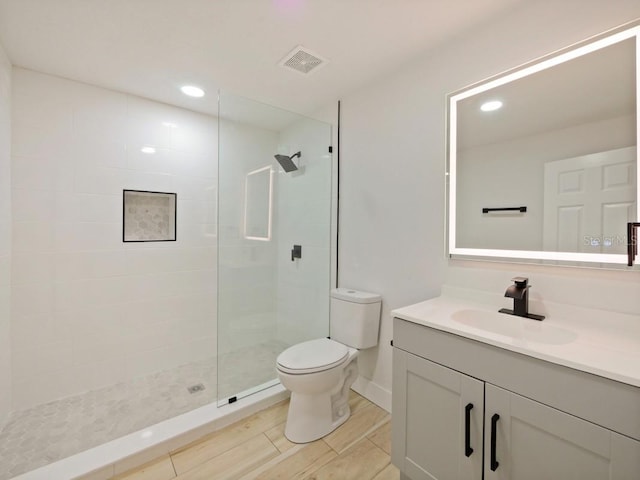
<point>373,392</point>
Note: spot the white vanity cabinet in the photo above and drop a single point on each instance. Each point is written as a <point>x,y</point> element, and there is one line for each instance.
<point>548,421</point>
<point>439,412</point>
<point>534,441</point>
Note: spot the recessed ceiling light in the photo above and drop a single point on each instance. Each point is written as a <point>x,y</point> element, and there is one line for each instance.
<point>169,124</point>
<point>491,105</point>
<point>148,150</point>
<point>192,91</point>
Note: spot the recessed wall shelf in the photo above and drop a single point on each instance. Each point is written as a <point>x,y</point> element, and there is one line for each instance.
<point>148,216</point>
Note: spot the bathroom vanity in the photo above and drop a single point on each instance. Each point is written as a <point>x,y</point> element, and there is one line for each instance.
<point>479,394</point>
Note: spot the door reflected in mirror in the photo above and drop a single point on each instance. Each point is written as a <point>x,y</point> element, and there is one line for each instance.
<point>558,137</point>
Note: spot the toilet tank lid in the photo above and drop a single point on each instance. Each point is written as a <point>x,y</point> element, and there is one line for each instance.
<point>355,296</point>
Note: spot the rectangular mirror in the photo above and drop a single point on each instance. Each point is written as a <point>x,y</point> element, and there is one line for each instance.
<point>258,204</point>
<point>542,160</point>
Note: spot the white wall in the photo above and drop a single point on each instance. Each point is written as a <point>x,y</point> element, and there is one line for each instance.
<point>5,235</point>
<point>87,309</point>
<point>392,174</point>
<point>304,218</point>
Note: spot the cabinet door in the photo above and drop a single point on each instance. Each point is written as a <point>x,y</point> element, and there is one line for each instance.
<point>533,442</point>
<point>431,405</point>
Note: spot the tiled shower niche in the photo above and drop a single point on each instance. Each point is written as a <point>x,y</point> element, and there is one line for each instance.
<point>148,216</point>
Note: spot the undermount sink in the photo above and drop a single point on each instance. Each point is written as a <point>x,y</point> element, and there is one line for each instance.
<point>514,327</point>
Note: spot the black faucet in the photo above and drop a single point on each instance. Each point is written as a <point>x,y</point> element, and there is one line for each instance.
<point>519,291</point>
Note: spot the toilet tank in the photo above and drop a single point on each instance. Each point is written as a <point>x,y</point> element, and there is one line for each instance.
<point>355,317</point>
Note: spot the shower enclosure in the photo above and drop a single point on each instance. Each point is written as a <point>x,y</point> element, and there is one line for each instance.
<point>112,333</point>
<point>274,239</point>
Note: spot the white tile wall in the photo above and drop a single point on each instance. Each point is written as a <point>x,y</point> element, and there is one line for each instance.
<point>88,310</point>
<point>5,235</point>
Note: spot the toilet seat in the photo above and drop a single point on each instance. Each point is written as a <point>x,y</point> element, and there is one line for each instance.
<point>312,356</point>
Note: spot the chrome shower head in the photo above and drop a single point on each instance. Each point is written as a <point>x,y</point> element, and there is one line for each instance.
<point>287,162</point>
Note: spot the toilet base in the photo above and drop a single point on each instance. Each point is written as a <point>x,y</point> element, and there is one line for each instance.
<point>310,418</point>
<point>313,416</point>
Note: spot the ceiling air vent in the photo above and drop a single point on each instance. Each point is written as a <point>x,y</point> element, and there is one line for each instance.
<point>302,60</point>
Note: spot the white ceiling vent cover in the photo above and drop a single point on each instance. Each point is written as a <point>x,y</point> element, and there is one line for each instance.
<point>303,60</point>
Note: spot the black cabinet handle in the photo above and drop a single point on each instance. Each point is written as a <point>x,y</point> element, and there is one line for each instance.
<point>494,461</point>
<point>467,430</point>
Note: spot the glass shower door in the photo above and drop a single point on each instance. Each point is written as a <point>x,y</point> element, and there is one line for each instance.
<point>274,231</point>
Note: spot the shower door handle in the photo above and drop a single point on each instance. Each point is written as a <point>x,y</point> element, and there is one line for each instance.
<point>296,252</point>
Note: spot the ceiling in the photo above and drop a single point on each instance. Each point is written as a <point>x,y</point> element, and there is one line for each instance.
<point>152,47</point>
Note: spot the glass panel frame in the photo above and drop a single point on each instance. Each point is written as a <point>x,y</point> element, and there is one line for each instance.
<point>268,300</point>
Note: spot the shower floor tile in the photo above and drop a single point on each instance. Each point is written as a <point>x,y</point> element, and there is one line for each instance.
<point>52,431</point>
<point>238,374</point>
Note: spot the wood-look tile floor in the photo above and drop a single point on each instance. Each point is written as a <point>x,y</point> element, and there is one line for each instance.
<point>256,448</point>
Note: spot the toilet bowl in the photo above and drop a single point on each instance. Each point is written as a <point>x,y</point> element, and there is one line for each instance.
<point>319,373</point>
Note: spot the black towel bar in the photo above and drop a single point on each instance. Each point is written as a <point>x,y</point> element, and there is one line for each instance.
<point>505,209</point>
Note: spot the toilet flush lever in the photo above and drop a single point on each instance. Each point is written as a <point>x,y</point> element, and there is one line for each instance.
<point>296,252</point>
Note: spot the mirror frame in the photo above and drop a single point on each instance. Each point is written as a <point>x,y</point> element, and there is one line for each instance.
<point>595,43</point>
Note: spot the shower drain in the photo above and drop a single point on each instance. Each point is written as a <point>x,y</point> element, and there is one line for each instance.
<point>196,388</point>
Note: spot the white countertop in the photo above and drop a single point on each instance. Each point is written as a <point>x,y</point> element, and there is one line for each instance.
<point>595,341</point>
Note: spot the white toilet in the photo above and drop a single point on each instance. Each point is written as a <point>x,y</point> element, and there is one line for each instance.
<point>319,373</point>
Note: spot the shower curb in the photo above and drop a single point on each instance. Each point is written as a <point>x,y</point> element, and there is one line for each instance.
<point>134,450</point>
